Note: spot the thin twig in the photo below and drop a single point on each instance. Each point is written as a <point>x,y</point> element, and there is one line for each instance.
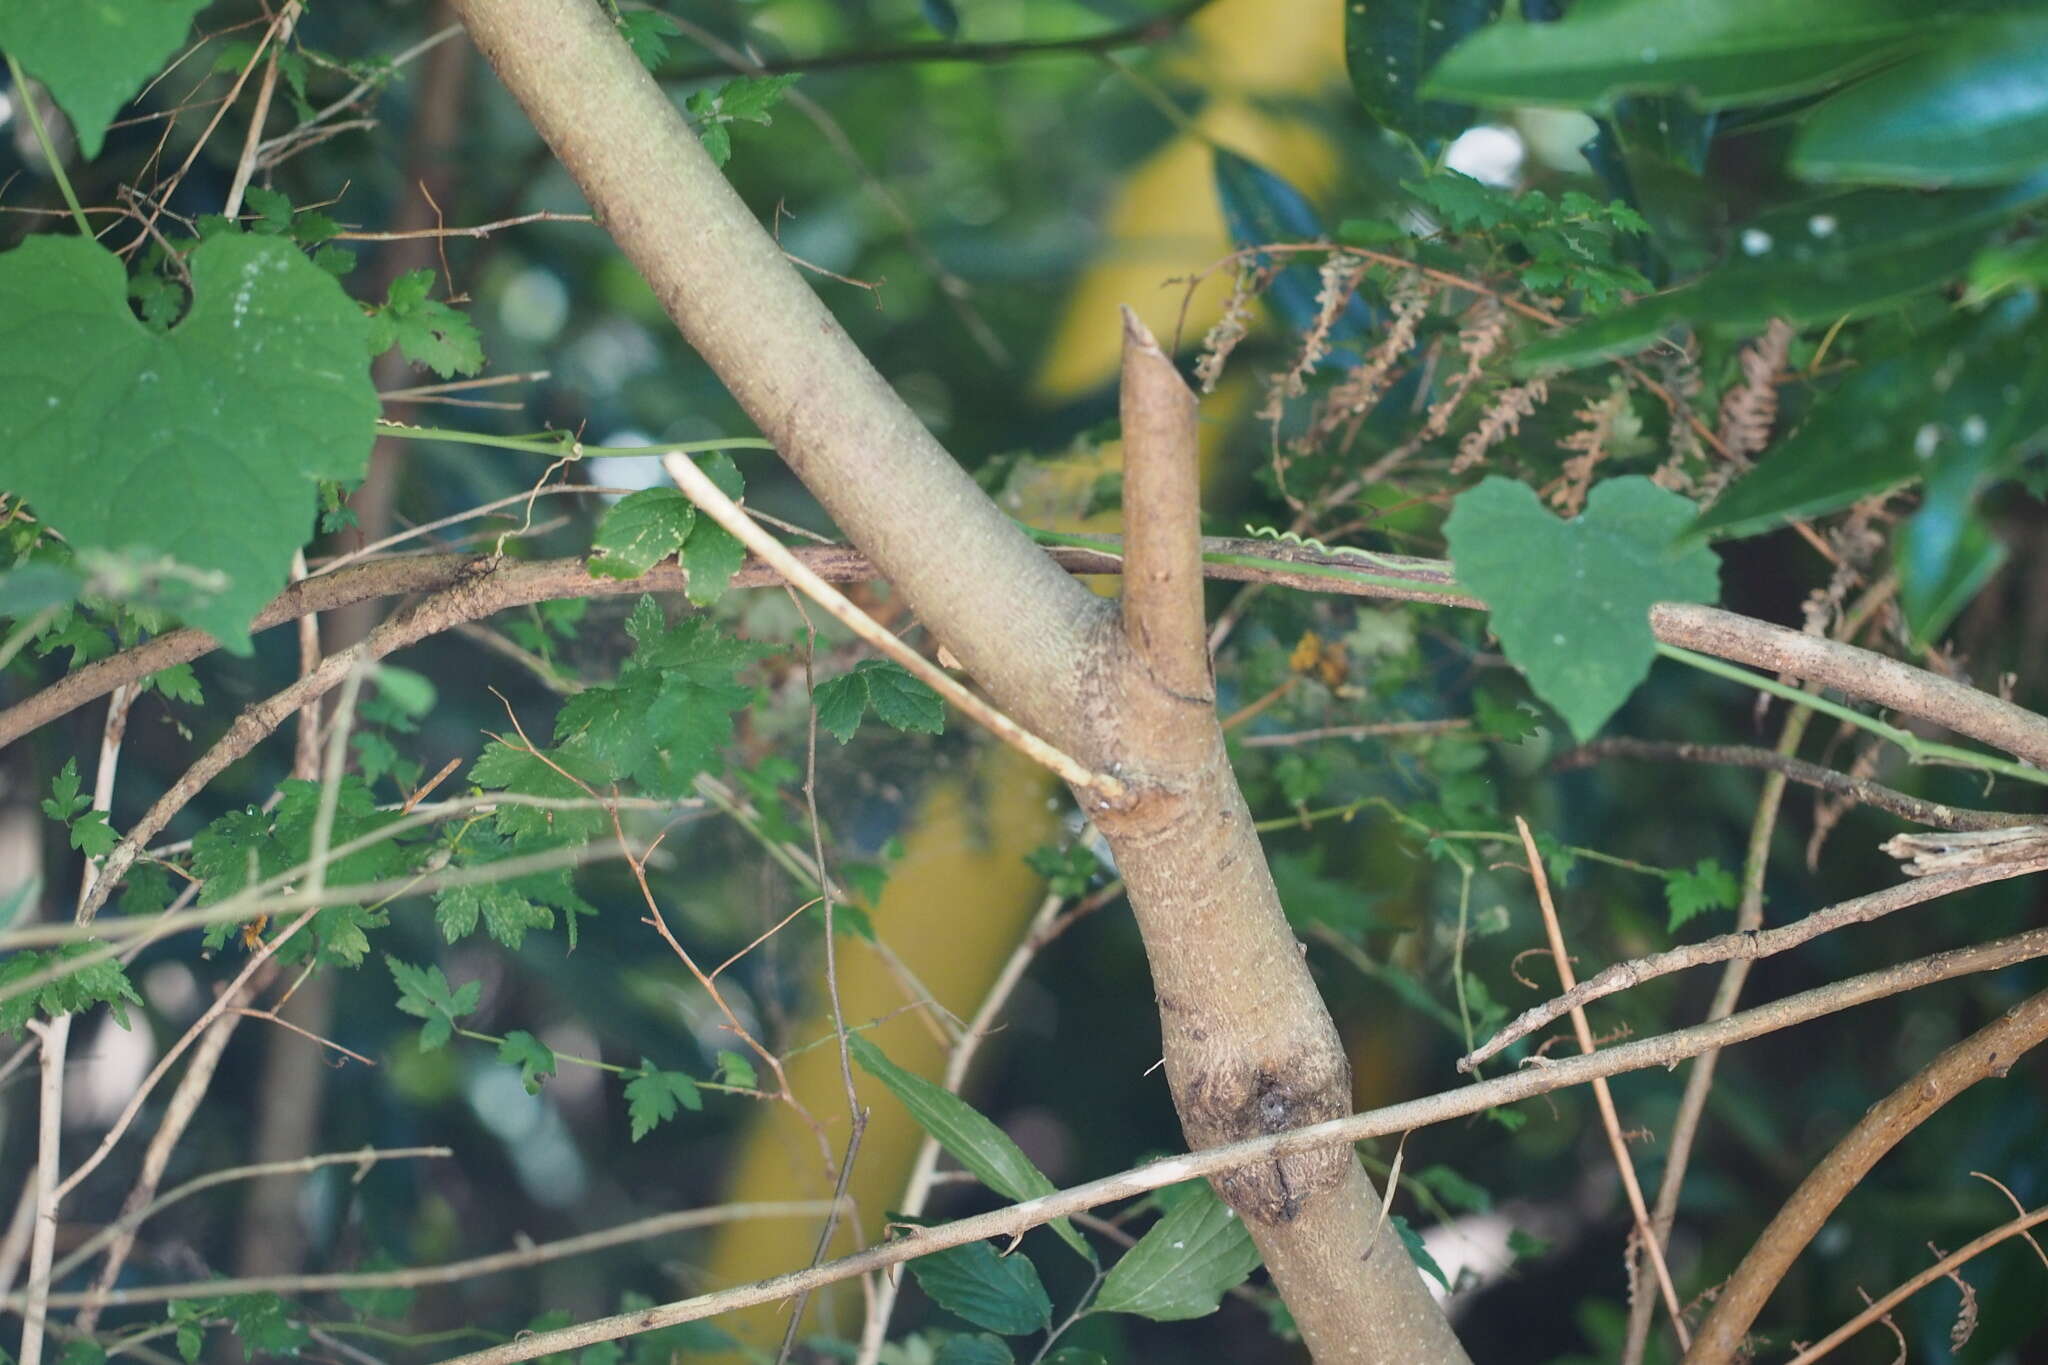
<point>721,509</point>
<point>1603,1096</point>
<point>1664,1050</point>
<point>1747,945</point>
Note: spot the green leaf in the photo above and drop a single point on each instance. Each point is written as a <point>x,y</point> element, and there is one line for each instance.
<point>1454,1189</point>
<point>100,983</point>
<point>1709,886</point>
<point>1075,1355</point>
<point>176,683</point>
<point>979,1349</point>
<point>261,1322</point>
<point>1389,46</point>
<point>92,835</point>
<point>967,1136</point>
<point>734,1069</point>
<point>640,532</point>
<point>653,1094</point>
<point>64,800</point>
<point>1417,1252</point>
<point>1818,261</point>
<point>550,773</point>
<point>647,32</point>
<point>748,98</point>
<point>535,1059</point>
<point>712,554</point>
<point>1001,1293</point>
<point>1718,52</point>
<point>1570,600</point>
<point>1184,1265</point>
<point>505,914</point>
<point>841,703</point>
<point>81,1352</point>
<point>1068,871</point>
<point>425,330</point>
<point>94,57</point>
<point>205,443</point>
<point>423,993</point>
<point>1942,566</point>
<point>900,700</point>
<point>390,1304</point>
<point>1971,111</point>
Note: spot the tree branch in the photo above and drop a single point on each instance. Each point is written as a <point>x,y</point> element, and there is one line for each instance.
<point>1162,599</point>
<point>1990,1051</point>
<point>1666,1050</point>
<point>1931,813</point>
<point>1748,945</point>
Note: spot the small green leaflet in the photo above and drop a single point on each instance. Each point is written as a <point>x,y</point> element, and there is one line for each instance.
<point>1417,1252</point>
<point>101,983</point>
<point>90,833</point>
<point>733,1069</point>
<point>535,1059</point>
<point>228,420</point>
<point>94,57</point>
<point>552,774</point>
<point>748,98</point>
<point>641,531</point>
<point>647,32</point>
<point>1709,886</point>
<point>506,908</point>
<point>967,1136</point>
<point>1570,600</point>
<point>653,1094</point>
<point>898,698</point>
<point>425,330</point>
<point>259,1321</point>
<point>1185,1264</point>
<point>1001,1293</point>
<point>423,993</point>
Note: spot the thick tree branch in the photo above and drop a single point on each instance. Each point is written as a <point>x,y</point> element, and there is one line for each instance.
<point>1990,1051</point>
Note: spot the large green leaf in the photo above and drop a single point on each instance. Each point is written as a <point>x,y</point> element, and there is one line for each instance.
<point>94,54</point>
<point>1889,423</point>
<point>1817,261</point>
<point>1001,1293</point>
<point>1973,111</point>
<point>1185,1264</point>
<point>1570,600</point>
<point>1718,52</point>
<point>205,443</point>
<point>968,1137</point>
<point>1390,45</point>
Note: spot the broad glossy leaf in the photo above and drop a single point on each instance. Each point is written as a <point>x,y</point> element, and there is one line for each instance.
<point>1847,254</point>
<point>1943,563</point>
<point>1001,1293</point>
<point>1718,52</point>
<point>1184,1265</point>
<point>94,57</point>
<point>968,1137</point>
<point>1973,111</point>
<point>1570,600</point>
<point>1390,45</point>
<point>979,1349</point>
<point>205,443</point>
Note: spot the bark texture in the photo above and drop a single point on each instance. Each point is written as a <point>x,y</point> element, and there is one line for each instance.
<point>1250,1048</point>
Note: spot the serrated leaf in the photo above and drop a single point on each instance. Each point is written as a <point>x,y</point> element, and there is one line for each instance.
<point>1973,110</point>
<point>641,531</point>
<point>99,983</point>
<point>647,32</point>
<point>979,1349</point>
<point>1717,52</point>
<point>1418,1252</point>
<point>535,1059</point>
<point>1709,886</point>
<point>510,768</point>
<point>901,700</point>
<point>712,554</point>
<point>1001,1293</point>
<point>1570,600</point>
<point>967,1136</point>
<point>735,1069</point>
<point>1389,46</point>
<point>841,702</point>
<point>1184,1265</point>
<point>423,992</point>
<point>204,443</point>
<point>425,330</point>
<point>504,913</point>
<point>652,1096</point>
<point>94,57</point>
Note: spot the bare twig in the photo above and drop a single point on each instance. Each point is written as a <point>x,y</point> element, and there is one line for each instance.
<point>1603,1097</point>
<point>723,510</point>
<point>1933,813</point>
<point>1664,1050</point>
<point>1990,1051</point>
<point>1747,945</point>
